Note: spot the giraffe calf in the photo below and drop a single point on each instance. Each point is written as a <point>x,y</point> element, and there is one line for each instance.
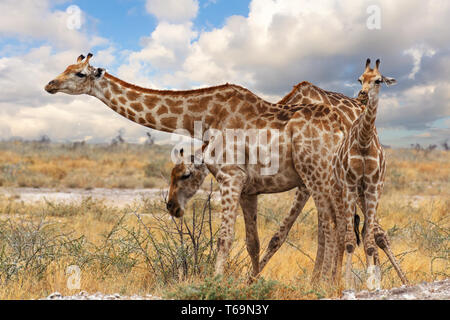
<point>359,173</point>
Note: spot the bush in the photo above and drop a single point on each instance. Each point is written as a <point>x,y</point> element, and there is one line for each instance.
<point>220,288</point>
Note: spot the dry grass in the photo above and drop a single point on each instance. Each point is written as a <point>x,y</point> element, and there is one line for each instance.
<point>116,253</point>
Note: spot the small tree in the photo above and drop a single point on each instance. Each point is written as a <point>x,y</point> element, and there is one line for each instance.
<point>150,140</point>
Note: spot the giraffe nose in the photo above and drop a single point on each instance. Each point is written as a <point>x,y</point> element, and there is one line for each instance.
<point>170,205</point>
<point>50,87</point>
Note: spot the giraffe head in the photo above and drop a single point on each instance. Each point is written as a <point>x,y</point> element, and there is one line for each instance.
<point>77,79</point>
<point>371,80</point>
<point>186,178</point>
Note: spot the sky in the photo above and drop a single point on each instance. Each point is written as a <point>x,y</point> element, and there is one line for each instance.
<point>267,46</point>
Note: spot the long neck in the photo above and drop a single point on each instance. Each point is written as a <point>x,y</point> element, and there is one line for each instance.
<point>164,110</point>
<point>367,124</point>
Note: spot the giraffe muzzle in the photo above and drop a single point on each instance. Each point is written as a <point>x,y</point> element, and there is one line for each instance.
<point>51,87</point>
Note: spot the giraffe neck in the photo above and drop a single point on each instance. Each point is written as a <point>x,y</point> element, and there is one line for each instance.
<point>367,124</point>
<point>164,110</point>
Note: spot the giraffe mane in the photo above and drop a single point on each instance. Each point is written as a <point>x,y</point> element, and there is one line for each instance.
<point>171,92</point>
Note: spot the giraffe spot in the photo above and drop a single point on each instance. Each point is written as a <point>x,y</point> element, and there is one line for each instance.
<point>234,102</point>
<point>123,100</point>
<point>162,110</point>
<point>283,116</point>
<point>115,88</point>
<point>371,165</point>
<point>175,106</point>
<point>188,122</point>
<point>276,125</point>
<point>314,95</point>
<point>133,95</point>
<point>250,98</point>
<point>169,122</point>
<point>199,105</point>
<point>114,102</point>
<point>306,113</point>
<point>306,101</point>
<point>131,113</point>
<point>141,120</point>
<point>223,97</point>
<point>246,109</point>
<point>108,94</point>
<point>235,123</point>
<point>103,84</point>
<point>149,118</point>
<point>137,106</point>
<point>151,101</point>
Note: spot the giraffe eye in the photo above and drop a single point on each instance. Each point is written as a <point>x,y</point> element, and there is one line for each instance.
<point>80,75</point>
<point>378,81</point>
<point>186,176</point>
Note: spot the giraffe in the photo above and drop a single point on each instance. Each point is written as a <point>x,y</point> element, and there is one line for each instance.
<point>359,170</point>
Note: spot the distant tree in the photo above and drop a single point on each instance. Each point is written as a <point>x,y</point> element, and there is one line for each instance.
<point>445,145</point>
<point>118,140</point>
<point>44,139</point>
<point>150,140</point>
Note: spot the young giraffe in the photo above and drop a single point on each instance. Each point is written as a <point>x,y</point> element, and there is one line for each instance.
<point>359,171</point>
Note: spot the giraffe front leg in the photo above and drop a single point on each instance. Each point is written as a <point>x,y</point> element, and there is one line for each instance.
<point>371,204</point>
<point>349,200</point>
<point>301,197</point>
<point>249,206</point>
<point>230,191</point>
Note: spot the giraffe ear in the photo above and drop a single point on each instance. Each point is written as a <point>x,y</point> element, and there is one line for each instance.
<point>389,81</point>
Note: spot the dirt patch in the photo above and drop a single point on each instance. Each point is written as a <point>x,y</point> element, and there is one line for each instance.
<point>439,290</point>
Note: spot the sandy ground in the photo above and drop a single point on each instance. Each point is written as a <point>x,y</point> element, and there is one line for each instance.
<point>113,197</point>
<point>439,290</point>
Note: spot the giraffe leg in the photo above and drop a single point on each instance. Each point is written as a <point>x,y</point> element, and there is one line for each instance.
<point>330,250</point>
<point>370,206</point>
<point>317,272</point>
<point>383,242</point>
<point>348,272</point>
<point>249,209</point>
<point>230,190</point>
<point>349,206</point>
<point>301,197</point>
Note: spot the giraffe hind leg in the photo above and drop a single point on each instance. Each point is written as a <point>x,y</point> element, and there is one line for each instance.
<point>383,242</point>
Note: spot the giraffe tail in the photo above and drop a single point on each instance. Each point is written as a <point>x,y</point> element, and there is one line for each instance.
<point>356,228</point>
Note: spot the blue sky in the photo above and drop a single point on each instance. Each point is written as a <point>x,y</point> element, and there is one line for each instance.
<point>265,45</point>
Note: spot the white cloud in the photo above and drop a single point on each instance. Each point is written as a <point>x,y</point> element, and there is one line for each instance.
<point>417,53</point>
<point>175,11</point>
<point>35,20</point>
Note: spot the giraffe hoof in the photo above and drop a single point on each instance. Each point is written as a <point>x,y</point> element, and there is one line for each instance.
<point>350,248</point>
<point>370,251</point>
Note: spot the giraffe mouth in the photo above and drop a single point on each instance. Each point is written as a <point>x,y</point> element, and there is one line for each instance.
<point>51,90</point>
